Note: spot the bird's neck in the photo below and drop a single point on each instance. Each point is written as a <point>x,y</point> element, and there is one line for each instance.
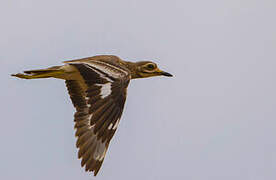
<point>133,69</point>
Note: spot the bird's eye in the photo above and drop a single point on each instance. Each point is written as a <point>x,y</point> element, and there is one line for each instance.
<point>150,66</point>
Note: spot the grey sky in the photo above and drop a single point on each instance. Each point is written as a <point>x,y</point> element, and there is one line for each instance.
<point>214,120</point>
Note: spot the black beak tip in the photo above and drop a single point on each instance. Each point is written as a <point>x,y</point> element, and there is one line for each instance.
<point>167,74</point>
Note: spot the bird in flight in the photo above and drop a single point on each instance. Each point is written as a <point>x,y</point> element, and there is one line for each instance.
<point>97,86</point>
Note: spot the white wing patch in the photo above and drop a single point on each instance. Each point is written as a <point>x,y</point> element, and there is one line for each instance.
<point>105,89</point>
<point>116,124</point>
<point>110,126</point>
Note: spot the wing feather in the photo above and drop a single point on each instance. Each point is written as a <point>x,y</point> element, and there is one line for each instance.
<point>99,108</point>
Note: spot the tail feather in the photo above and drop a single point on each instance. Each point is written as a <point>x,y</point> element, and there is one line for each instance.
<point>51,69</point>
<point>41,73</point>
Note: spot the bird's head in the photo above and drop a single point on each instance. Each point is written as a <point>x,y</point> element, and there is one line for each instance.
<point>145,69</point>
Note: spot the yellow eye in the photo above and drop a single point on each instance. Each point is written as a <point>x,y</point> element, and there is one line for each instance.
<point>150,66</point>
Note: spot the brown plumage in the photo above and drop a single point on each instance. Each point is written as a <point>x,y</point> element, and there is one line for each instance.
<point>97,87</point>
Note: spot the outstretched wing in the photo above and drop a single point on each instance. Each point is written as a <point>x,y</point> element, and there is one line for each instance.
<point>99,107</point>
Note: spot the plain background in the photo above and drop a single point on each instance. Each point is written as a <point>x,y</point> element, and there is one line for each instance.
<point>215,119</point>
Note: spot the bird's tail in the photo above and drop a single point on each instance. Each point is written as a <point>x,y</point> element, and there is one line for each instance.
<point>55,71</point>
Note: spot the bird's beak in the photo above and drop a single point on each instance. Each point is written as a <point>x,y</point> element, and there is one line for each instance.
<point>163,73</point>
